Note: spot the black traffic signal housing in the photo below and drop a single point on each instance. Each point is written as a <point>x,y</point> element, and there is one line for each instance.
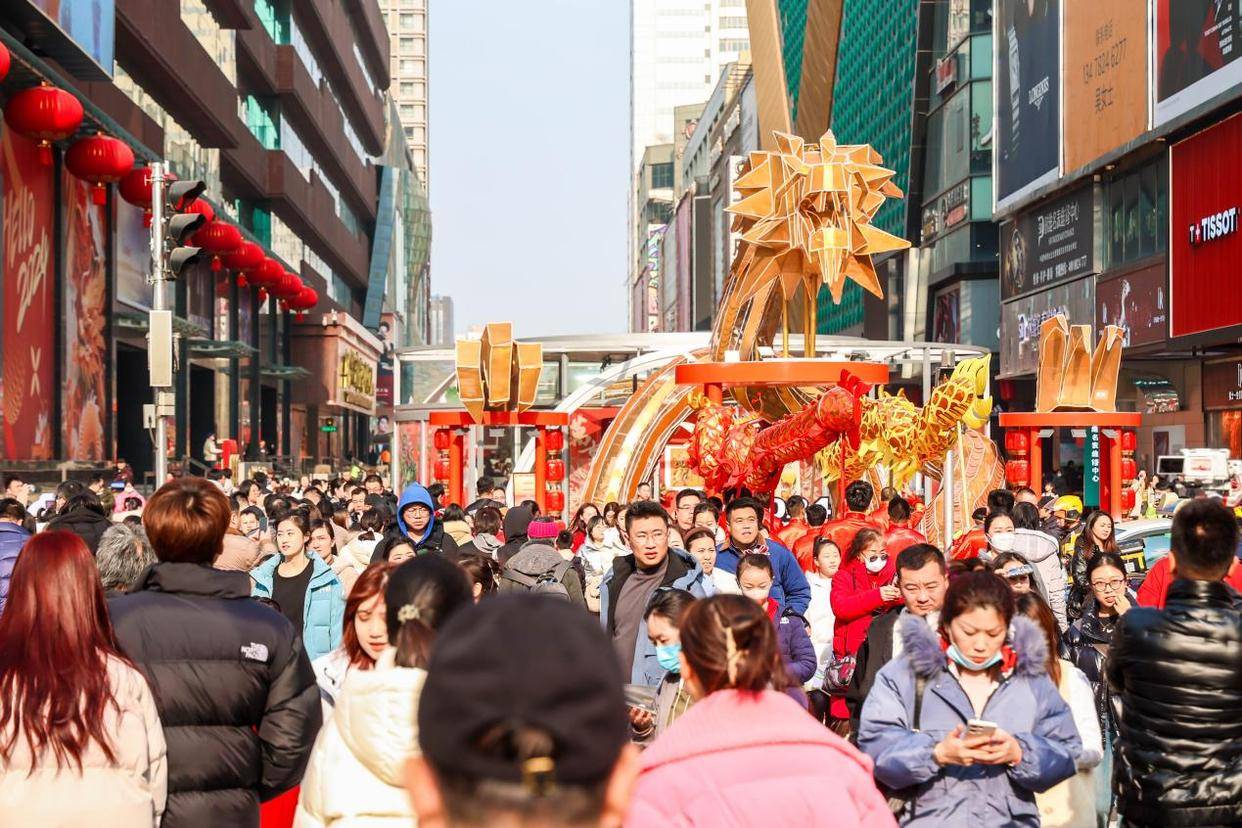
<point>179,226</point>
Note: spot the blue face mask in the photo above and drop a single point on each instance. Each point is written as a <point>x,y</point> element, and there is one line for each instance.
<point>669,656</point>
<point>967,664</point>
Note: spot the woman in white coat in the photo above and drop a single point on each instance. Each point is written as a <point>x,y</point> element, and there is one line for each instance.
<point>826,560</point>
<point>355,775</point>
<point>1068,804</point>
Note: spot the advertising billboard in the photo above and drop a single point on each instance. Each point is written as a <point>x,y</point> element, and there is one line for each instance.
<point>84,297</point>
<point>1196,54</point>
<point>80,34</point>
<point>1054,243</point>
<point>1105,77</point>
<point>30,323</point>
<point>1137,302</point>
<point>1204,243</point>
<point>1027,81</point>
<point>1021,318</point>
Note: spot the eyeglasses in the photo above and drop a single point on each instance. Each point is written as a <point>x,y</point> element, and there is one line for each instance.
<point>654,537</point>
<point>873,558</point>
<point>1111,585</point>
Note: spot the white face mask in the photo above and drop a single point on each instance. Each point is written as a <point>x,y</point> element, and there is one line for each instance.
<point>874,565</point>
<point>1001,541</point>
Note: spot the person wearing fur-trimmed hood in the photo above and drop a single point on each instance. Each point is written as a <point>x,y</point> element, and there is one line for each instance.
<point>986,664</point>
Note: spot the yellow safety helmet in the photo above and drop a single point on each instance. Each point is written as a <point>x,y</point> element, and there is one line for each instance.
<point>1067,504</point>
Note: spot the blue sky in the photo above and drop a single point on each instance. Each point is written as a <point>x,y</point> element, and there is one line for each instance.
<point>529,139</point>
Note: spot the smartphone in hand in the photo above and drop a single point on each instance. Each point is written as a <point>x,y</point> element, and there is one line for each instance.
<point>979,727</point>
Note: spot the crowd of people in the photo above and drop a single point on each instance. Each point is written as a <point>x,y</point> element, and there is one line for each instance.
<point>354,656</point>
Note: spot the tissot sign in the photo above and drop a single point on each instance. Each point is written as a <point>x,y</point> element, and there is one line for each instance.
<point>1206,248</point>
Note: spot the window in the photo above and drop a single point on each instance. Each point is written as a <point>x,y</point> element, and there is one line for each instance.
<point>420,135</point>
<point>733,22</point>
<point>734,44</point>
<point>412,22</point>
<point>1136,214</point>
<point>662,176</point>
<point>420,68</point>
<point>407,67</point>
<point>407,89</point>
<point>407,45</point>
<point>407,111</point>
<point>420,112</point>
<point>409,132</point>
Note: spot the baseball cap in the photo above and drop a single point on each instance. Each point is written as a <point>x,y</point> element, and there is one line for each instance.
<point>523,661</point>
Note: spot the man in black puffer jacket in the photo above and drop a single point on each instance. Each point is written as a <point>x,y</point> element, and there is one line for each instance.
<point>83,515</point>
<point>1177,673</point>
<point>235,691</point>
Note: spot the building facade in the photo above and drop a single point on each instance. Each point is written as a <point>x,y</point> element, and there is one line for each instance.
<point>280,107</point>
<point>407,28</point>
<point>441,331</point>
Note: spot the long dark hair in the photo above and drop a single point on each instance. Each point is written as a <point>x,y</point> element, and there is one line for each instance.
<point>421,594</point>
<point>55,642</point>
<point>730,644</point>
<point>1086,543</point>
<point>1034,607</point>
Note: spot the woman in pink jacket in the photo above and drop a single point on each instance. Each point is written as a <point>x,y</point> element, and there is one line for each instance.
<point>746,754</point>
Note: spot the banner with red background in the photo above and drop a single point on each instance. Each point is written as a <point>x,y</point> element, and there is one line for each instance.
<point>1205,244</point>
<point>84,300</point>
<point>29,300</point>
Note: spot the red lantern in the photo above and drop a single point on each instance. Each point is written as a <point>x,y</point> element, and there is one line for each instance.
<point>5,60</point>
<point>135,187</point>
<point>201,207</point>
<point>262,294</point>
<point>442,439</point>
<point>267,274</point>
<point>246,256</point>
<point>442,469</point>
<point>1129,469</point>
<point>288,287</point>
<point>1127,499</point>
<point>554,439</point>
<point>44,114</point>
<point>1017,442</point>
<point>101,160</point>
<point>218,238</point>
<point>555,470</point>
<point>305,299</point>
<point>1129,441</point>
<point>554,500</point>
<point>1018,472</point>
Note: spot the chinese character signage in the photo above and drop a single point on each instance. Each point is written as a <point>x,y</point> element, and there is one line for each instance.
<point>1021,319</point>
<point>1105,77</point>
<point>1052,244</point>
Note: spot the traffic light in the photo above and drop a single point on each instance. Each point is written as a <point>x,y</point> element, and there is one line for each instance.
<point>178,226</point>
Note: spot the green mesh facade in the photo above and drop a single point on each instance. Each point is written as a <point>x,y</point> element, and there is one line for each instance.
<point>872,101</point>
<point>793,36</point>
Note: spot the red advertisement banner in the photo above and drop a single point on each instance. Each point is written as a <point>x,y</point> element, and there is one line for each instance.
<point>29,313</point>
<point>84,296</point>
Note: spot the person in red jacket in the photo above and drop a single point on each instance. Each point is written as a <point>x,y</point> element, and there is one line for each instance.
<point>863,588</point>
<point>804,547</point>
<point>1155,586</point>
<point>796,525</point>
<point>899,534</point>
<point>857,500</point>
<point>879,515</point>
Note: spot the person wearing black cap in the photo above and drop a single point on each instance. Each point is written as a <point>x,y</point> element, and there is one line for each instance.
<point>521,721</point>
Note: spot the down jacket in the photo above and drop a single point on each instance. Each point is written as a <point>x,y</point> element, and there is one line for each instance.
<point>738,758</point>
<point>323,612</point>
<point>12,539</point>
<point>1025,704</point>
<point>1178,675</point>
<point>129,792</point>
<point>1043,553</point>
<point>355,778</point>
<point>235,692</point>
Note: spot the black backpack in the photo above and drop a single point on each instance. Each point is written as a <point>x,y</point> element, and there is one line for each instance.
<point>550,582</point>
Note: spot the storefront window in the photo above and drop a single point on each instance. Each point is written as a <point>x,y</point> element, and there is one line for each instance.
<point>1225,431</point>
<point>1136,214</point>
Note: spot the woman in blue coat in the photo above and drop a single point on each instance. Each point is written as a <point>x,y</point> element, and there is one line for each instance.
<point>305,588</point>
<point>985,664</point>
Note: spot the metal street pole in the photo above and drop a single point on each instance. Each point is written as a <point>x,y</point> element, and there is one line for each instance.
<point>159,331</point>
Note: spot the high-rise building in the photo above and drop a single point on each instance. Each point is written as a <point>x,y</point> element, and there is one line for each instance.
<point>677,51</point>
<point>407,32</point>
<point>441,330</point>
